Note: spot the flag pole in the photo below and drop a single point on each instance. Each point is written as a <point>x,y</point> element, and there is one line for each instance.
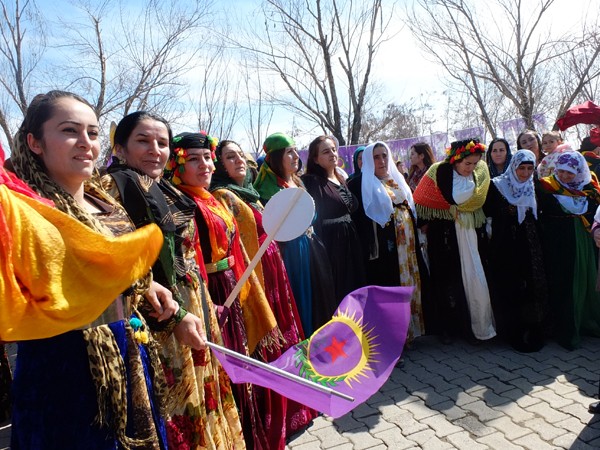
<point>278,371</point>
<point>263,248</point>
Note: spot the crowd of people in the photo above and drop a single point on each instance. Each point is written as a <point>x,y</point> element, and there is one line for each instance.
<point>495,243</point>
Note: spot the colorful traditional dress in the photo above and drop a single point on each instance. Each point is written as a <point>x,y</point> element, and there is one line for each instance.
<point>306,262</point>
<point>243,203</point>
<point>333,223</point>
<point>517,275</point>
<point>566,211</point>
<point>248,324</point>
<point>451,206</point>
<point>201,412</point>
<point>65,386</point>
<point>386,222</point>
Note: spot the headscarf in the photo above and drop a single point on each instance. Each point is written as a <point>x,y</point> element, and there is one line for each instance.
<point>357,152</point>
<point>488,159</point>
<point>376,199</point>
<point>518,193</point>
<point>221,179</point>
<point>268,183</point>
<point>573,162</point>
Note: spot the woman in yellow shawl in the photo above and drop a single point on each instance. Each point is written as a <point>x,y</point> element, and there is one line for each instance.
<point>449,202</point>
<point>96,383</point>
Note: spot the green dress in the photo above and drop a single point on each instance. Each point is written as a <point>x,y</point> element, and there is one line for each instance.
<point>571,270</point>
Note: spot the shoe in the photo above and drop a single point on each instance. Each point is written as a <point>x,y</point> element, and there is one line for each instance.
<point>594,408</point>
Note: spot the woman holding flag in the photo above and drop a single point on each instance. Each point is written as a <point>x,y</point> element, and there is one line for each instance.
<point>248,324</point>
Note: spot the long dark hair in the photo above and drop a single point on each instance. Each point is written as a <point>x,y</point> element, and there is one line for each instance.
<point>312,167</point>
<point>130,121</point>
<point>275,161</point>
<point>422,148</point>
<point>537,138</point>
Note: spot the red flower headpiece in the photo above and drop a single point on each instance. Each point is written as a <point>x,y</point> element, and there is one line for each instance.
<point>456,154</point>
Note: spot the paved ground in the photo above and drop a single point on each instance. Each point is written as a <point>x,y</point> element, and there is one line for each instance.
<point>467,397</point>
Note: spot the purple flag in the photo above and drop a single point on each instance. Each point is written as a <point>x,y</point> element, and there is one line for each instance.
<point>353,354</point>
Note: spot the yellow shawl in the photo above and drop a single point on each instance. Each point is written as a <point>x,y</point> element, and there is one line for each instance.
<point>57,274</point>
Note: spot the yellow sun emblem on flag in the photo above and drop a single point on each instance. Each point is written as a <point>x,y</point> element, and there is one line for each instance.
<point>341,350</point>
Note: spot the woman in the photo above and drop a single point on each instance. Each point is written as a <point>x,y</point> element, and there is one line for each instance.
<point>333,224</point>
<point>201,411</point>
<point>421,159</point>
<point>356,162</point>
<point>386,220</point>
<point>449,201</point>
<point>232,187</point>
<point>567,202</point>
<point>498,157</point>
<point>530,140</point>
<point>520,297</point>
<point>248,323</point>
<point>99,386</point>
<point>305,257</point>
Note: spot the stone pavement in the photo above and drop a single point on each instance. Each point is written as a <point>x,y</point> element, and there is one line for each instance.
<point>467,397</point>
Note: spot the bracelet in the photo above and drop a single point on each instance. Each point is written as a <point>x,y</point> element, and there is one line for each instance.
<point>179,315</point>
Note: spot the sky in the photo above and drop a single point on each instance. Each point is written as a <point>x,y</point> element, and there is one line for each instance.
<point>404,71</point>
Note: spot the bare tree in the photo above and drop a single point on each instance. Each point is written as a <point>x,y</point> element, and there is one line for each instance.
<point>138,61</point>
<point>393,122</point>
<point>259,112</point>
<point>217,101</point>
<point>515,57</point>
<point>22,47</point>
<point>322,52</point>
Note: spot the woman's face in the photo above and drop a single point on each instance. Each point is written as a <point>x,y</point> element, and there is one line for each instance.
<point>498,153</point>
<point>327,156</point>
<point>147,148</point>
<point>529,142</point>
<point>234,161</point>
<point>69,145</point>
<point>565,176</point>
<point>359,160</point>
<point>466,166</point>
<point>415,158</point>
<point>524,172</point>
<point>380,161</point>
<point>290,161</point>
<point>198,168</point>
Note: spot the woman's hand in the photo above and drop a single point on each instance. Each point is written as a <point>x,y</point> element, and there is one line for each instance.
<point>597,236</point>
<point>162,301</point>
<point>190,331</point>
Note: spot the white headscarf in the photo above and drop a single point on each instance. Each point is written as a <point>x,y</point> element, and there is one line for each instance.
<point>573,162</point>
<point>376,201</point>
<point>519,194</point>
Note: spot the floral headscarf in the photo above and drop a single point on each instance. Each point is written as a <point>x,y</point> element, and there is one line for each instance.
<point>376,199</point>
<point>518,193</point>
<point>573,162</point>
